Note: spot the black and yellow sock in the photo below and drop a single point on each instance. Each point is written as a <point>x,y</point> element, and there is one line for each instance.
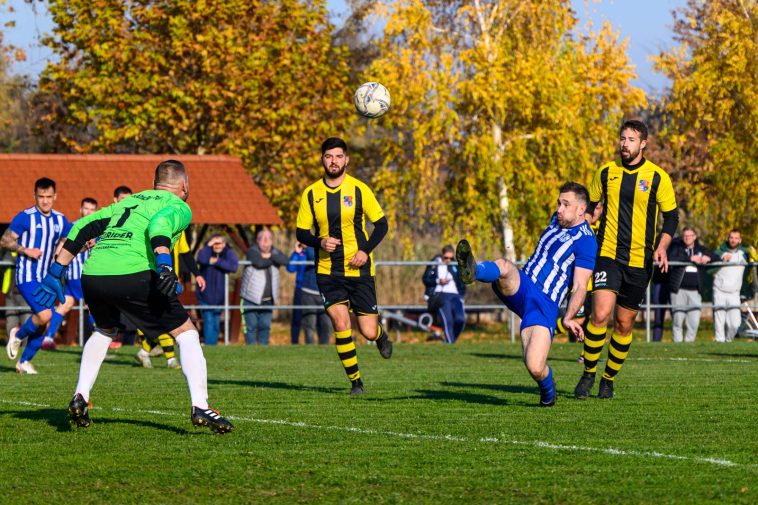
<point>559,328</point>
<point>617,353</point>
<point>347,353</point>
<point>594,340</point>
<point>147,345</point>
<point>167,343</point>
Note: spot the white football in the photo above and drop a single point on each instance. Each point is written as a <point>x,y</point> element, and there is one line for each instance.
<point>371,99</point>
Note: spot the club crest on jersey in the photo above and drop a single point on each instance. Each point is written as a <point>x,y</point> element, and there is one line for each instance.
<point>565,237</point>
<point>347,201</point>
<point>644,186</point>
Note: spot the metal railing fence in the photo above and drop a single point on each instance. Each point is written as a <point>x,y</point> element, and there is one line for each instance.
<point>647,307</point>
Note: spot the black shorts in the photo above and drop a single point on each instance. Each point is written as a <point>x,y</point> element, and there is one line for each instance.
<point>136,297</point>
<point>359,293</point>
<point>629,283</point>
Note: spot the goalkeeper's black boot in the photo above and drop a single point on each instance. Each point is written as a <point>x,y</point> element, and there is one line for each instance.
<point>357,387</point>
<point>212,419</point>
<point>605,392</point>
<point>384,344</point>
<point>78,411</point>
<point>466,261</point>
<point>582,390</point>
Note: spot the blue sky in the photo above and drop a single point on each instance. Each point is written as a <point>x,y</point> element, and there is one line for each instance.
<point>645,22</point>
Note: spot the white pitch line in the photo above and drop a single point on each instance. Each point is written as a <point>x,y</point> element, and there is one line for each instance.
<point>538,444</point>
<point>710,360</point>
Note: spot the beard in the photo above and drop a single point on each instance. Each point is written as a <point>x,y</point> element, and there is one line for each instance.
<point>627,156</point>
<point>334,172</point>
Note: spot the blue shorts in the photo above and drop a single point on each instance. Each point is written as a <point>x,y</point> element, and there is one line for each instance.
<point>27,291</point>
<point>73,289</point>
<point>533,306</point>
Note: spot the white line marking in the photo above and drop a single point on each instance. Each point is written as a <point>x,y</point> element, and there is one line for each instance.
<point>696,359</point>
<point>420,436</point>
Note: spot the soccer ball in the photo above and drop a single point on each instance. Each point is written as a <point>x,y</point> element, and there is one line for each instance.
<point>371,99</point>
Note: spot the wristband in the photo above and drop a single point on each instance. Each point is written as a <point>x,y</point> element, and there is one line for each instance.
<point>163,259</point>
<point>56,270</point>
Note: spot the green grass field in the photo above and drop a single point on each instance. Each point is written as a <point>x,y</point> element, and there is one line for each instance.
<point>439,424</point>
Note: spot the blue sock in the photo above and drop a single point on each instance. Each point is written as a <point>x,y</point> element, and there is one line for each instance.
<point>32,346</point>
<point>28,328</point>
<point>547,387</point>
<point>487,271</point>
<point>91,321</point>
<point>55,323</point>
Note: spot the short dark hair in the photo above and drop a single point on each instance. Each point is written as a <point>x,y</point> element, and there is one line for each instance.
<point>44,183</point>
<point>735,230</point>
<point>88,200</point>
<point>448,249</point>
<point>689,228</point>
<point>580,191</point>
<point>636,125</point>
<point>122,190</point>
<point>331,143</point>
<point>169,171</point>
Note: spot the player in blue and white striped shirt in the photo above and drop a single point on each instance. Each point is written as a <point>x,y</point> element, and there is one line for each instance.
<point>73,288</point>
<point>34,234</point>
<point>563,259</point>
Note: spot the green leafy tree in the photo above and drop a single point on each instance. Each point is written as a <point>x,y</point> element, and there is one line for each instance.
<point>712,114</point>
<point>495,103</point>
<point>256,79</point>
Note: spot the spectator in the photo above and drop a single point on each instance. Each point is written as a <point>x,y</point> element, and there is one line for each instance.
<point>686,283</point>
<point>727,284</point>
<point>310,295</point>
<point>444,292</point>
<point>216,260</point>
<point>297,314</point>
<point>260,287</point>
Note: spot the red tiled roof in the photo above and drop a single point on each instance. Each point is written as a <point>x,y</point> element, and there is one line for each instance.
<point>221,191</point>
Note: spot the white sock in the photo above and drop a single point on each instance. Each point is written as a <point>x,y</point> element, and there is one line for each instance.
<point>193,367</point>
<point>92,357</point>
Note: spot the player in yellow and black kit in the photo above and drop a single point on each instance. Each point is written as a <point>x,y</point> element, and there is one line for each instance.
<point>337,207</point>
<point>633,190</point>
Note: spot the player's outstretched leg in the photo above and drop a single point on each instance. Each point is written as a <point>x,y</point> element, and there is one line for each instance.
<point>484,271</point>
<point>466,261</point>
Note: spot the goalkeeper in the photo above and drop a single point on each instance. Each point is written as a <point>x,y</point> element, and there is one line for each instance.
<point>130,272</point>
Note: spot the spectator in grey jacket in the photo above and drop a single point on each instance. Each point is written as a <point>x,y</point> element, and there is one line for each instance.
<point>686,283</point>
<point>260,287</point>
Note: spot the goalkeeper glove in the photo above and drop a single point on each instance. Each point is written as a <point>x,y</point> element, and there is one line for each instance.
<point>167,280</point>
<point>51,286</point>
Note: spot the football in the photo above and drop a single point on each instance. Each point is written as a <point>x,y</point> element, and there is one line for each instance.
<point>371,99</point>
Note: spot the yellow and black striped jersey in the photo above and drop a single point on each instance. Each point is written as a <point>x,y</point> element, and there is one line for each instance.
<point>341,213</point>
<point>632,198</point>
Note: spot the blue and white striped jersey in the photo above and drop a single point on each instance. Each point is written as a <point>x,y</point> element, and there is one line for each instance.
<point>74,270</point>
<point>551,266</point>
<point>37,231</point>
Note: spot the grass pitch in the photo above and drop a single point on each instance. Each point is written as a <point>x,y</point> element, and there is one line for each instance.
<point>439,424</point>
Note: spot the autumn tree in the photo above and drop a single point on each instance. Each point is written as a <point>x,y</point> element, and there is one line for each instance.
<point>253,78</point>
<point>712,114</point>
<point>494,104</point>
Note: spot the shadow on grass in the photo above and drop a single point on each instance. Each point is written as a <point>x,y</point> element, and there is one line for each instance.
<point>58,419</point>
<point>505,388</point>
<point>7,368</point>
<point>277,385</point>
<point>459,396</point>
<point>516,357</point>
<point>734,355</point>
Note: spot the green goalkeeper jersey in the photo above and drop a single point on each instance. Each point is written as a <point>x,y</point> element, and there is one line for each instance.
<point>126,229</point>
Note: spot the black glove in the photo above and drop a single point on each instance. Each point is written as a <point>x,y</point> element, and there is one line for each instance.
<point>167,280</point>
